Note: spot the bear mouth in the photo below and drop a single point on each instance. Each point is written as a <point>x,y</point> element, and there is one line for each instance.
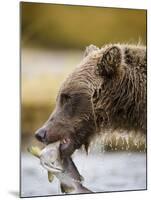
<point>65,141</point>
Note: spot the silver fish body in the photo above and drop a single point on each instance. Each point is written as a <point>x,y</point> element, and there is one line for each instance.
<point>64,170</point>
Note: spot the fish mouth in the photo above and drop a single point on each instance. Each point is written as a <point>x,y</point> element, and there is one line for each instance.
<point>51,167</point>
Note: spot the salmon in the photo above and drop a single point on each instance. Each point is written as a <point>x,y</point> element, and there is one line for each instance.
<point>64,170</point>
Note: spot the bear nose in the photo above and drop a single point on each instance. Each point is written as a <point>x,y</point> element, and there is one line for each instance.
<point>41,135</point>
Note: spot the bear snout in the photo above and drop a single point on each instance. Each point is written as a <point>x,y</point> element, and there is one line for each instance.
<point>40,134</point>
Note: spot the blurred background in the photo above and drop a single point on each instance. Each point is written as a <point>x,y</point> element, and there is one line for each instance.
<point>53,40</point>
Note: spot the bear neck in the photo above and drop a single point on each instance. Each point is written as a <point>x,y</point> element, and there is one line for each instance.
<point>120,102</point>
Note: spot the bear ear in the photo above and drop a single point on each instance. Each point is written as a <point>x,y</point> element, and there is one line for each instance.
<point>89,49</point>
<point>110,61</point>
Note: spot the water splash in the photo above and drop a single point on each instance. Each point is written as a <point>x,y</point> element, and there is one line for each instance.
<point>119,141</point>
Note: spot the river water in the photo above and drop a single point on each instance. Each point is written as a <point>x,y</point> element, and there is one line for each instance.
<point>102,172</point>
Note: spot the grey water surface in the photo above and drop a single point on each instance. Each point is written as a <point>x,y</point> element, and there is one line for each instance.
<point>102,172</point>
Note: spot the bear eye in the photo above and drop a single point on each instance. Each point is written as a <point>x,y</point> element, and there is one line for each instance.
<point>65,98</point>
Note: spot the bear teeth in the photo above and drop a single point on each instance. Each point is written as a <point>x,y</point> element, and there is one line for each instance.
<point>65,140</point>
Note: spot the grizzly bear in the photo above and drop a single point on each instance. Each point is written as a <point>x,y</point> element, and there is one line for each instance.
<point>106,91</point>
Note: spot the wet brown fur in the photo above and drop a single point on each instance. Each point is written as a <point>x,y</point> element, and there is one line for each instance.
<point>119,100</point>
<point>107,91</point>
